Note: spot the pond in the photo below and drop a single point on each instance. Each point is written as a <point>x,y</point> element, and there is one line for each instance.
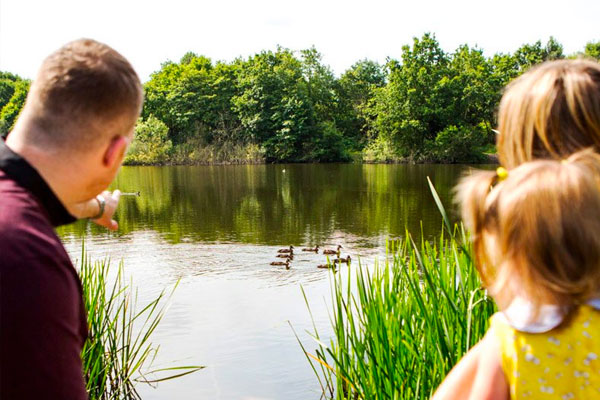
<point>217,228</point>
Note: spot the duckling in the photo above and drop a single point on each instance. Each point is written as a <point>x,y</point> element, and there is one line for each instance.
<point>333,251</point>
<point>131,194</point>
<point>342,260</point>
<point>286,263</point>
<point>289,256</point>
<point>326,266</point>
<point>315,249</point>
<point>290,250</point>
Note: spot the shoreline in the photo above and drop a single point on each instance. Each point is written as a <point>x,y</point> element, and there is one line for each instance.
<point>489,159</point>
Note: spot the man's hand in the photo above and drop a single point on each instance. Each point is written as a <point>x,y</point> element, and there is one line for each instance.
<point>112,200</point>
<point>91,208</point>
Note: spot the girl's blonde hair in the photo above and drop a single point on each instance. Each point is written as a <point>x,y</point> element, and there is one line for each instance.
<point>551,111</point>
<point>536,234</point>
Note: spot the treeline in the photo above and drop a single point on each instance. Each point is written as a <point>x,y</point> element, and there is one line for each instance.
<point>13,91</point>
<point>286,106</point>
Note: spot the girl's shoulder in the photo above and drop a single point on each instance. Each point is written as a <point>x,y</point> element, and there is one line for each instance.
<point>551,357</point>
<point>519,317</point>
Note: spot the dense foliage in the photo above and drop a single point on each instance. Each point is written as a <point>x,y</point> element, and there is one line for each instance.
<point>151,144</point>
<point>13,91</point>
<point>282,106</point>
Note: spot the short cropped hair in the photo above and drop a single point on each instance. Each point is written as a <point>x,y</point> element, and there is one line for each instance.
<point>551,111</point>
<point>81,90</point>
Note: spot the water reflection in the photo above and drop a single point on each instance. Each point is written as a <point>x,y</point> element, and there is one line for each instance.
<point>275,204</point>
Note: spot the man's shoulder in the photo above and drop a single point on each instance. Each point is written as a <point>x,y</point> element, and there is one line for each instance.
<point>32,254</point>
<point>17,204</point>
<point>23,223</point>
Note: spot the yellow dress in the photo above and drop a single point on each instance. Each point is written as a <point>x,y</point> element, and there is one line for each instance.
<point>560,364</point>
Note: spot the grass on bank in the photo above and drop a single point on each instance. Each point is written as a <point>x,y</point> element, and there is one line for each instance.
<point>400,326</point>
<point>118,353</point>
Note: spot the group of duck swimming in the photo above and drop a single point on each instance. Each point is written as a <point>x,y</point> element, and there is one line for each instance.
<point>288,254</point>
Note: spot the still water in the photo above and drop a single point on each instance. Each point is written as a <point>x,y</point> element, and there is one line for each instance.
<point>217,228</point>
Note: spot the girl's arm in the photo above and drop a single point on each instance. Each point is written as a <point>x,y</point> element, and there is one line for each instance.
<point>490,382</point>
<point>477,376</point>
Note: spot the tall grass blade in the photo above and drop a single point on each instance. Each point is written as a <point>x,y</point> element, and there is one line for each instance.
<point>118,351</point>
<point>399,326</point>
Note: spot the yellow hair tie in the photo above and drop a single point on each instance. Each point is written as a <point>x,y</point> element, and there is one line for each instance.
<point>502,173</point>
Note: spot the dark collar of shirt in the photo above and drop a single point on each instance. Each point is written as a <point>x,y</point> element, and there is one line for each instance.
<point>20,171</point>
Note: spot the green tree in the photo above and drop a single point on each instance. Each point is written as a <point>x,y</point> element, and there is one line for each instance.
<point>180,95</point>
<point>151,144</point>
<point>592,49</point>
<point>11,110</point>
<point>505,68</point>
<point>193,98</point>
<point>320,83</point>
<point>415,104</point>
<point>476,90</point>
<point>222,119</point>
<point>460,144</point>
<point>529,55</point>
<point>355,91</point>
<point>273,104</point>
<point>159,96</point>
<point>436,106</point>
<point>326,114</point>
<point>7,87</point>
<point>188,58</point>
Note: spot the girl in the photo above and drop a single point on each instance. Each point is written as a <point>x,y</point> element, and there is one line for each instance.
<point>550,112</point>
<point>536,240</point>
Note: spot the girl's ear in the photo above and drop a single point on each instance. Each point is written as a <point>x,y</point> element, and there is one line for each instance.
<point>114,153</point>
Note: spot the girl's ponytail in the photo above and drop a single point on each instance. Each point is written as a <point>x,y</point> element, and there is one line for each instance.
<point>472,194</point>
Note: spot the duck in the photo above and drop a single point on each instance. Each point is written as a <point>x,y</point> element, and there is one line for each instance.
<point>333,251</point>
<point>286,263</point>
<point>315,249</point>
<point>342,260</point>
<point>326,266</point>
<point>288,250</point>
<point>289,256</point>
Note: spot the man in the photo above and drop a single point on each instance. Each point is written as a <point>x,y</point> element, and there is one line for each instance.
<point>64,150</point>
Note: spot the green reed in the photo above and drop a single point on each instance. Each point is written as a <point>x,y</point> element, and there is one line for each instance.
<point>400,326</point>
<point>118,352</point>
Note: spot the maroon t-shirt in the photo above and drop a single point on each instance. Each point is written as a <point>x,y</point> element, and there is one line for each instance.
<point>42,317</point>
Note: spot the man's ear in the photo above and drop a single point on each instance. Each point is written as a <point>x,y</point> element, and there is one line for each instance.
<point>115,151</point>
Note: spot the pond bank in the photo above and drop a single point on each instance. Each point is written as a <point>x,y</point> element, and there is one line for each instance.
<point>489,159</point>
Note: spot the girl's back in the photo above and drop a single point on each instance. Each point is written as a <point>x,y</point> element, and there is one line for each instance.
<point>561,363</point>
